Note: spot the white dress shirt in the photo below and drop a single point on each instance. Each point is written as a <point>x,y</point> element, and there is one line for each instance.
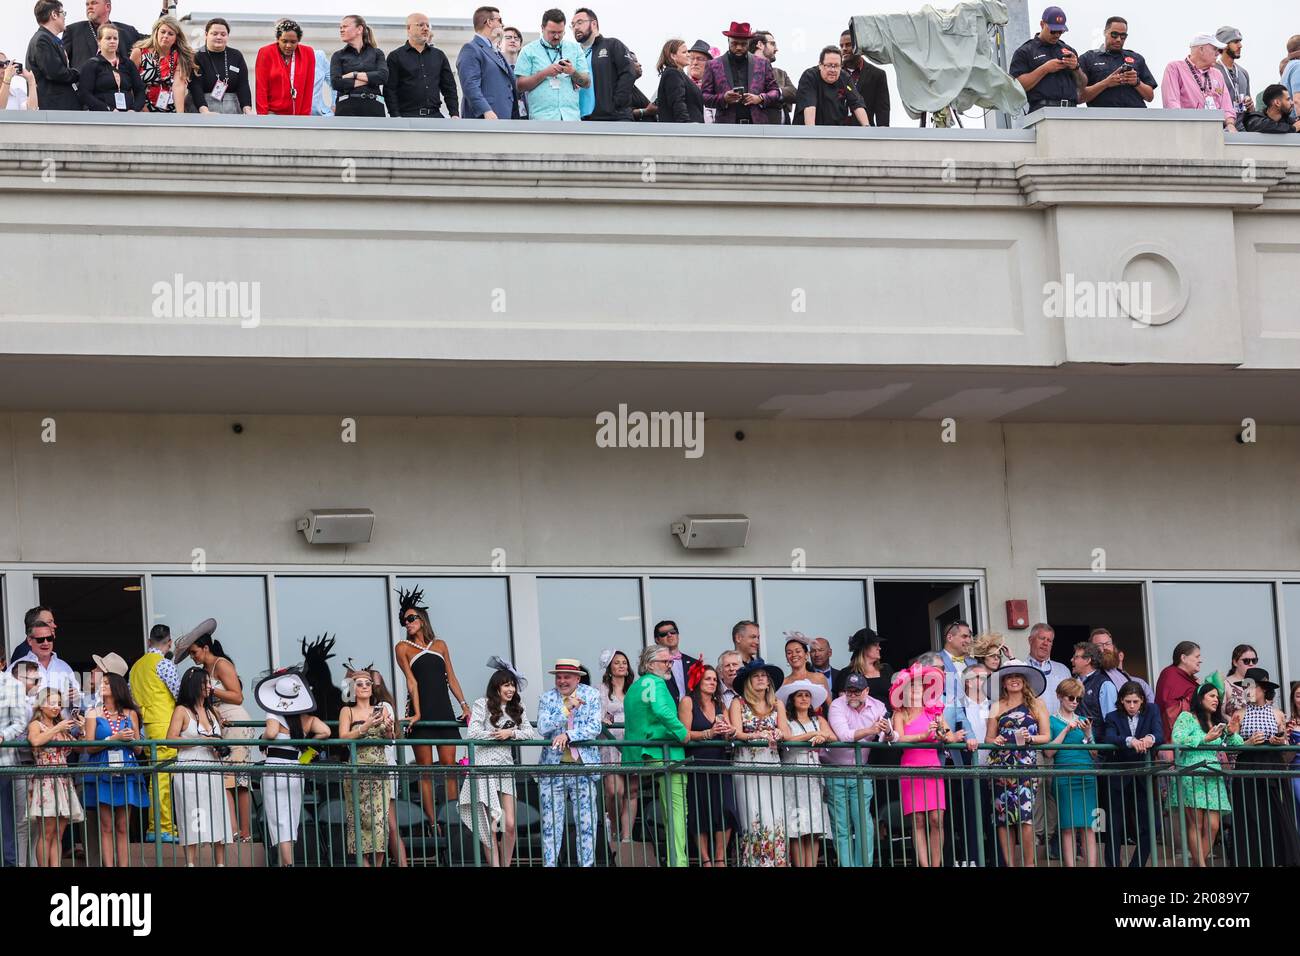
<point>1055,672</point>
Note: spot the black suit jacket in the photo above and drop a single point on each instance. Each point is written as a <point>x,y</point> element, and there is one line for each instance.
<point>679,99</point>
<point>1115,731</point>
<point>79,40</point>
<point>673,689</point>
<point>55,79</point>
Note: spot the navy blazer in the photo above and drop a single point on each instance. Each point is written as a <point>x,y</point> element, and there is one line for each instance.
<point>1115,731</point>
<point>487,82</point>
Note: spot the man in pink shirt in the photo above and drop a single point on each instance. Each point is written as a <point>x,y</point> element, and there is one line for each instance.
<point>1192,83</point>
<point>854,716</point>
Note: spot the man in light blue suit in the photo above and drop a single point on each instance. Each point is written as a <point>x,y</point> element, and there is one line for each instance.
<point>487,82</point>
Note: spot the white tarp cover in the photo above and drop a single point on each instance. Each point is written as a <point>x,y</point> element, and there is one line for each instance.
<point>943,57</point>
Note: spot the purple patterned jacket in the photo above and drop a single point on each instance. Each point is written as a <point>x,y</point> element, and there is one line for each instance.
<point>762,81</point>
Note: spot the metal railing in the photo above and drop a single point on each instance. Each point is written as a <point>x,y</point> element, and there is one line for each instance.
<point>761,806</point>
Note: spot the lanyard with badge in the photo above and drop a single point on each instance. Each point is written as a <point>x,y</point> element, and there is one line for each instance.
<point>119,98</point>
<point>164,99</point>
<point>559,53</point>
<point>223,78</point>
<point>293,63</point>
<point>1206,88</point>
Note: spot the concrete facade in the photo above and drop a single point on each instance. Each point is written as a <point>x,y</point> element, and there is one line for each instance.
<point>473,296</point>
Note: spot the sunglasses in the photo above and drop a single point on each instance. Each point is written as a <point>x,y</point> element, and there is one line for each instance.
<point>1118,36</point>
<point>1249,660</point>
<point>362,682</point>
<point>666,633</point>
<point>410,619</point>
<point>43,640</point>
<point>1073,700</point>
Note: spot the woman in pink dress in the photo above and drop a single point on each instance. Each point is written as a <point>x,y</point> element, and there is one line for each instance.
<point>917,696</point>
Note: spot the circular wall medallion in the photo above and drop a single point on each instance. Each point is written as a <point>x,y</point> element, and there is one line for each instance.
<point>1152,290</point>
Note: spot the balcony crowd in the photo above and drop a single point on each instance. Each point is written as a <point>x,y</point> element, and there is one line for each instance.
<point>106,66</point>
<point>991,758</point>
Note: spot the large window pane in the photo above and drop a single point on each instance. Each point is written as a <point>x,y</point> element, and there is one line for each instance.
<point>580,617</point>
<point>1218,616</point>
<point>355,610</point>
<point>1291,594</point>
<point>818,608</point>
<point>705,610</point>
<point>473,616</point>
<point>238,603</point>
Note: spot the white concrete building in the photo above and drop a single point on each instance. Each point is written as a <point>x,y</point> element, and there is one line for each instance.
<point>939,371</point>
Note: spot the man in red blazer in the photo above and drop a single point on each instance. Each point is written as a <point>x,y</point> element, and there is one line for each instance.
<point>738,84</point>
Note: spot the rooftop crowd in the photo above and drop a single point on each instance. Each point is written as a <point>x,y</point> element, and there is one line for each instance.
<point>712,741</point>
<point>105,66</point>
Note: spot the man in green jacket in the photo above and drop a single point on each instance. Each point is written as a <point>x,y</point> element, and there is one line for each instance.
<point>649,713</point>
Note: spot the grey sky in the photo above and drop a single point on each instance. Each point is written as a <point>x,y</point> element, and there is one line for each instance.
<point>1159,30</point>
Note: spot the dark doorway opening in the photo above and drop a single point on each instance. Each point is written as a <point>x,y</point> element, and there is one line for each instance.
<point>95,616</point>
<point>911,614</point>
<point>1074,609</point>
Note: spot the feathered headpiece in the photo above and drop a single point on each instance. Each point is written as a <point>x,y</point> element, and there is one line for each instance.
<point>317,652</point>
<point>350,673</point>
<point>412,600</point>
<point>695,674</point>
<point>501,664</point>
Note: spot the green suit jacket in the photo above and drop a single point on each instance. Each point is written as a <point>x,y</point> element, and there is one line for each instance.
<point>650,713</point>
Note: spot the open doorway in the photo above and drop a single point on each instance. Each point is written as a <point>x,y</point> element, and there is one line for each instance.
<point>1074,609</point>
<point>95,615</point>
<point>911,615</point>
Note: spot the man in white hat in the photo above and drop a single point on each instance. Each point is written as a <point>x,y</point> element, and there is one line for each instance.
<point>1193,83</point>
<point>568,715</point>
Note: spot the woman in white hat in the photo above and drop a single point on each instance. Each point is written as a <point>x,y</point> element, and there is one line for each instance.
<point>496,717</point>
<point>805,811</point>
<point>289,706</point>
<point>1018,719</point>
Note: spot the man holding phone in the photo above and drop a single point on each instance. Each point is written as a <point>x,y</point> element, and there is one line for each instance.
<point>547,70</point>
<point>1118,78</point>
<point>739,85</point>
<point>1046,67</point>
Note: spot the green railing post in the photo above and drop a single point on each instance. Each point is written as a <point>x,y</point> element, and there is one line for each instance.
<point>156,805</point>
<point>473,809</point>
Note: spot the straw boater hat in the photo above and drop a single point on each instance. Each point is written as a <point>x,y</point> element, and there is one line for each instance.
<point>568,665</point>
<point>1034,679</point>
<point>182,645</point>
<point>111,664</point>
<point>774,673</point>
<point>789,690</point>
<point>284,693</point>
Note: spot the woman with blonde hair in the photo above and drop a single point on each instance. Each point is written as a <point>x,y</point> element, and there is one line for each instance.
<point>759,720</point>
<point>166,63</point>
<point>358,70</point>
<point>1018,719</point>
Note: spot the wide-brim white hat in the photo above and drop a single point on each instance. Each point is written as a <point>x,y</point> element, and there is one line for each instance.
<point>1034,679</point>
<point>284,693</point>
<point>793,687</point>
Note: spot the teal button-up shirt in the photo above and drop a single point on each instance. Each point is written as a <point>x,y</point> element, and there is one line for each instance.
<point>555,98</point>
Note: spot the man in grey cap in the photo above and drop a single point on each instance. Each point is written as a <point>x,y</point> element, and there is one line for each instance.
<point>1234,76</point>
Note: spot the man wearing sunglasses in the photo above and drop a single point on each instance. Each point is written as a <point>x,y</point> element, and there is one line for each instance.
<point>1046,67</point>
<point>40,627</point>
<point>666,635</point>
<point>1118,78</point>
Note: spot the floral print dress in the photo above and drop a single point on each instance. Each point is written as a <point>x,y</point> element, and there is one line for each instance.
<point>760,797</point>
<point>1014,797</point>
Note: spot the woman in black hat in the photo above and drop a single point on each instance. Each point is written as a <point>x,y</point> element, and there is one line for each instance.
<point>1263,820</point>
<point>760,725</point>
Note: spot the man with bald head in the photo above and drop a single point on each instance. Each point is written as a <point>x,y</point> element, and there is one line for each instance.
<point>418,72</point>
<point>80,39</point>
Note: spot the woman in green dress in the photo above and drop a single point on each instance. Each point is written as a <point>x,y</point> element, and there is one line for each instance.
<point>1201,733</point>
<point>364,719</point>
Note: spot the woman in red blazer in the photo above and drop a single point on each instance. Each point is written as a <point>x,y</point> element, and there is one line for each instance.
<point>285,73</point>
